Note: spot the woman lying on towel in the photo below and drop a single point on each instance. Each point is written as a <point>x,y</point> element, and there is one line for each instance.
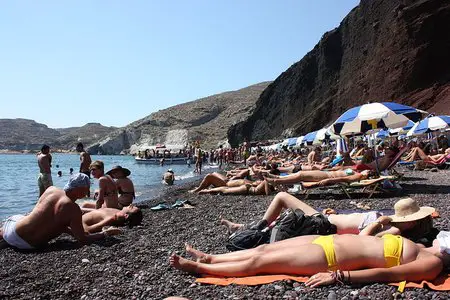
<point>329,259</point>
<point>409,220</point>
<point>246,188</point>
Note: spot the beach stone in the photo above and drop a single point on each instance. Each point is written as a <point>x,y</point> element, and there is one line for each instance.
<point>85,260</point>
<point>331,296</point>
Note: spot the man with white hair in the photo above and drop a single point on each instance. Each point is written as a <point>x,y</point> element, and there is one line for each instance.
<point>55,213</point>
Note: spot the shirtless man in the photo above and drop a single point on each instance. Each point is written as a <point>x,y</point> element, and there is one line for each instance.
<point>45,163</point>
<point>408,218</point>
<point>85,159</point>
<point>95,220</point>
<point>169,177</point>
<point>55,213</point>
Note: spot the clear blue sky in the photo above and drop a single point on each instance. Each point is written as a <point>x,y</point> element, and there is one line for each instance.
<point>67,63</point>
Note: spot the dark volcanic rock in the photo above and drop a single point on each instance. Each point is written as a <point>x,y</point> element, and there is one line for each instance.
<point>135,265</point>
<point>384,50</point>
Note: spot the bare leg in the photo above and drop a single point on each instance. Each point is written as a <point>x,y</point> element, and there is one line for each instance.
<point>299,177</point>
<point>279,259</point>
<point>214,179</point>
<point>285,200</point>
<point>238,190</point>
<point>88,205</point>
<point>232,227</point>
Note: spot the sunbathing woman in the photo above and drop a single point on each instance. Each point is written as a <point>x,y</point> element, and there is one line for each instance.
<point>247,188</point>
<point>218,180</point>
<point>124,185</point>
<point>330,259</point>
<point>409,220</point>
<point>418,154</point>
<point>95,220</point>
<point>331,177</point>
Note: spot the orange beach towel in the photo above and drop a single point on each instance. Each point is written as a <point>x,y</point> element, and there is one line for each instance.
<point>441,283</point>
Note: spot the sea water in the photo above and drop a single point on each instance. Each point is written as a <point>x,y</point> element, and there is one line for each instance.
<point>19,190</point>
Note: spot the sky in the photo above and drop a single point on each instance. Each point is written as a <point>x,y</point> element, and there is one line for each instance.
<point>68,63</point>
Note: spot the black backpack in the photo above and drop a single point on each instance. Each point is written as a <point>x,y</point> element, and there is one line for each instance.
<point>294,223</point>
<point>247,239</point>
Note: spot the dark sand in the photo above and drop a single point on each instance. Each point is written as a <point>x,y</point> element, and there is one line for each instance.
<point>135,264</point>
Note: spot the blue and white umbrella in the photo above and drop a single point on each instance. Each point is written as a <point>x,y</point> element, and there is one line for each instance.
<point>292,142</point>
<point>318,136</point>
<point>402,130</point>
<point>341,146</point>
<point>373,116</point>
<point>382,134</point>
<point>430,124</point>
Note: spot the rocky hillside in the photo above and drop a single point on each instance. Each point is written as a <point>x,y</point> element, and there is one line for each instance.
<point>23,134</point>
<point>384,50</point>
<point>206,120</point>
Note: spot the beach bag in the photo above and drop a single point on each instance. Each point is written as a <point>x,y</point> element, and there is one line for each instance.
<point>247,239</point>
<point>294,222</point>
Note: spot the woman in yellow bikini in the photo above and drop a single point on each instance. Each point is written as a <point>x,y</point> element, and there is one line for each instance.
<point>329,259</point>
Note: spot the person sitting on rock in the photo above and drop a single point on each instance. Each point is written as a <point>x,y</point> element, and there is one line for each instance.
<point>95,220</point>
<point>328,259</point>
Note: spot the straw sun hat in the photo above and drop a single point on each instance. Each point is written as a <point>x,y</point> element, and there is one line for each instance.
<point>407,210</point>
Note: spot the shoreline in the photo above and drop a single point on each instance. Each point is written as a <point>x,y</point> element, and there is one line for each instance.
<point>135,264</point>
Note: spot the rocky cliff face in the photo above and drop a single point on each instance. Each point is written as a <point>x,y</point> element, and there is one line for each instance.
<point>384,50</point>
<point>206,120</point>
<point>23,134</point>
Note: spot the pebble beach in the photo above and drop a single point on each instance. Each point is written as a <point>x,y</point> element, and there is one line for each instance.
<point>134,265</point>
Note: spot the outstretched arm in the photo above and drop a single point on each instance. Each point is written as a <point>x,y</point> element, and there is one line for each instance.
<point>427,268</point>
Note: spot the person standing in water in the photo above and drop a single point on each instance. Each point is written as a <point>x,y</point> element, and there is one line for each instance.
<point>45,163</point>
<point>85,159</point>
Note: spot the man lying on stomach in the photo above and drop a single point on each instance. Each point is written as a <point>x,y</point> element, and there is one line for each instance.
<point>55,213</point>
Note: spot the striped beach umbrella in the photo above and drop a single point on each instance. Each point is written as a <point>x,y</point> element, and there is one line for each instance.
<point>373,116</point>
<point>402,130</point>
<point>318,136</point>
<point>341,146</point>
<point>430,124</point>
<point>382,134</point>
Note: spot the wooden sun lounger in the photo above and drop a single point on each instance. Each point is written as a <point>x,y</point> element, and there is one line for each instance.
<point>368,185</point>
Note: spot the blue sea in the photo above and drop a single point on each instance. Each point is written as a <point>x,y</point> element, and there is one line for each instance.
<point>18,178</point>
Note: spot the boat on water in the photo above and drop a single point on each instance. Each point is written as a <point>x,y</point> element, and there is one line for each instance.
<point>167,160</point>
<point>161,154</point>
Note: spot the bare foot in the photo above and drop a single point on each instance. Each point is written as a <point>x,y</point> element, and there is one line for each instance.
<point>232,227</point>
<point>198,255</point>
<point>192,191</point>
<point>182,264</point>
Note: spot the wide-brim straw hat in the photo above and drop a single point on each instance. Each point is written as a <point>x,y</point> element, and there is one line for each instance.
<point>407,210</point>
<point>125,171</point>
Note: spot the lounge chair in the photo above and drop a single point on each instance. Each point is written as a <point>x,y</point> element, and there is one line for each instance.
<point>369,186</point>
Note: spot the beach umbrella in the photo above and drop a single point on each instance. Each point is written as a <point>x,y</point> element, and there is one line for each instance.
<point>430,124</point>
<point>402,130</point>
<point>341,146</point>
<point>318,136</point>
<point>290,142</point>
<point>299,142</point>
<point>382,134</point>
<point>374,116</point>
